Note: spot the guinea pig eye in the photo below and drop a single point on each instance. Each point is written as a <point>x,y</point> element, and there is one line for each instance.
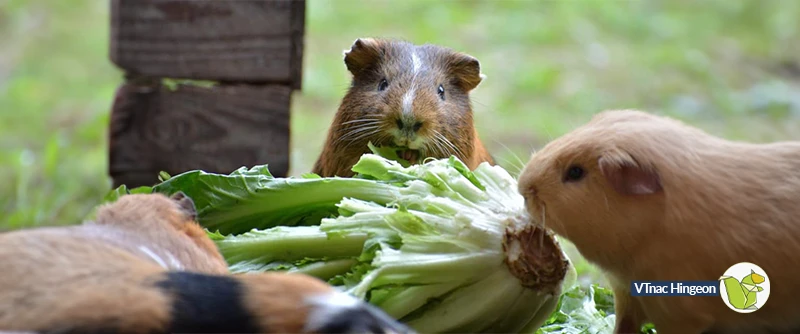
<point>441,92</point>
<point>574,173</point>
<point>383,85</point>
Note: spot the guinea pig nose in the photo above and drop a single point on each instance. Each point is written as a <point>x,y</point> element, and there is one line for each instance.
<point>405,124</point>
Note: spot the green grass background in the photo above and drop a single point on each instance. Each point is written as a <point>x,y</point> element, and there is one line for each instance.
<point>730,67</point>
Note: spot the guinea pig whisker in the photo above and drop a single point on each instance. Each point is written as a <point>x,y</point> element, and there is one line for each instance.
<point>516,171</point>
<point>443,148</point>
<point>441,141</point>
<point>428,148</point>
<point>446,149</point>
<point>436,147</point>
<point>364,125</point>
<point>530,236</point>
<point>361,126</point>
<point>362,120</point>
<point>365,134</point>
<point>521,165</point>
<point>376,141</point>
<point>350,141</point>
<point>544,222</point>
<point>511,164</point>
<point>447,142</point>
<point>357,130</point>
<point>544,226</point>
<point>380,139</point>
<point>455,148</point>
<point>432,147</point>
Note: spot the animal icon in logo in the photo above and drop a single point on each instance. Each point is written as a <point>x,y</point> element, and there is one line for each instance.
<point>744,287</point>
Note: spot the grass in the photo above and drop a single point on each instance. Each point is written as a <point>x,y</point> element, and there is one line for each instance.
<point>730,67</point>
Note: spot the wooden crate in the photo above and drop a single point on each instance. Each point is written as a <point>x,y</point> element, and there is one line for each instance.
<point>251,50</point>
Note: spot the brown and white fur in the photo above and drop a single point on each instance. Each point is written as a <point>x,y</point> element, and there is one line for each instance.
<point>650,198</point>
<point>145,266</point>
<point>411,96</point>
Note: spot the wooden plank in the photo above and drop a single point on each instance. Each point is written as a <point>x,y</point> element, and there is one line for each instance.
<point>242,40</point>
<point>298,26</point>
<point>217,129</point>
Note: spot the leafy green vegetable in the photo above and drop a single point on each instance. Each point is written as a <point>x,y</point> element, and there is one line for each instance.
<point>123,190</point>
<point>588,310</point>
<point>582,311</point>
<point>388,152</point>
<point>253,198</point>
<point>440,247</point>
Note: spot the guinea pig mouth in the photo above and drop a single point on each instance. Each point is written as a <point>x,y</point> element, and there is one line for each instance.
<point>412,156</point>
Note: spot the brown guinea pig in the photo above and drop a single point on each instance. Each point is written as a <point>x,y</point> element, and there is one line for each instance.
<point>408,96</point>
<point>649,198</point>
<point>142,268</point>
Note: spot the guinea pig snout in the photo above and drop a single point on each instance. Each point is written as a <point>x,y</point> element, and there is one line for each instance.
<point>408,124</point>
<point>406,133</point>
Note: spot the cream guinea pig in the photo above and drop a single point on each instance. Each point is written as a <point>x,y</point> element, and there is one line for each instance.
<point>649,198</point>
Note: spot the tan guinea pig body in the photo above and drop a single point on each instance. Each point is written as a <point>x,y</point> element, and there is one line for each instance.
<point>648,198</point>
<point>415,97</point>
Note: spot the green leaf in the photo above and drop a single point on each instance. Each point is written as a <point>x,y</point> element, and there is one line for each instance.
<point>388,152</point>
<point>582,310</point>
<point>253,199</point>
<point>163,176</point>
<point>462,168</point>
<point>122,190</point>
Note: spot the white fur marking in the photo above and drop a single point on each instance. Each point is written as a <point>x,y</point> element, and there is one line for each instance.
<point>328,306</point>
<point>153,256</point>
<point>408,98</point>
<point>408,102</point>
<point>415,60</point>
<point>174,262</point>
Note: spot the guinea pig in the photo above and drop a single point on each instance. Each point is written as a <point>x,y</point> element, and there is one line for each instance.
<point>650,198</point>
<point>138,269</point>
<point>157,228</point>
<point>414,97</point>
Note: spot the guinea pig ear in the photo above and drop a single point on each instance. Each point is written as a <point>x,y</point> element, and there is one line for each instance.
<point>627,176</point>
<point>363,54</point>
<point>466,71</point>
<point>185,203</point>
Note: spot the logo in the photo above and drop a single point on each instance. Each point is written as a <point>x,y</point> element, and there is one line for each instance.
<point>744,287</point>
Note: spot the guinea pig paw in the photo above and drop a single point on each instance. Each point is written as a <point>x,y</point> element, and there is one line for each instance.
<point>341,313</point>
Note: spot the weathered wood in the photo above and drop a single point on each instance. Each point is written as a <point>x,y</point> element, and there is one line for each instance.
<point>298,26</point>
<point>243,41</point>
<point>217,129</point>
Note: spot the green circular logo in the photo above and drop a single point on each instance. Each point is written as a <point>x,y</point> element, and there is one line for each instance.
<point>744,287</point>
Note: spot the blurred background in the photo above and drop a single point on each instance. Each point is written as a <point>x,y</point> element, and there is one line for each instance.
<point>729,67</point>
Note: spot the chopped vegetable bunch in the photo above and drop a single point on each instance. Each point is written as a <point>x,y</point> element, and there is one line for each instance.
<point>440,247</point>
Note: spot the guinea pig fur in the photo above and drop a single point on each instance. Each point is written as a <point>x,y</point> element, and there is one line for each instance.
<point>145,266</point>
<point>415,97</point>
<point>649,198</point>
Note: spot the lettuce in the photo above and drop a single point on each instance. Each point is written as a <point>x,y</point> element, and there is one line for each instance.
<point>435,245</point>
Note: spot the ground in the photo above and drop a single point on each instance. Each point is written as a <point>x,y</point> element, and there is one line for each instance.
<point>730,67</point>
